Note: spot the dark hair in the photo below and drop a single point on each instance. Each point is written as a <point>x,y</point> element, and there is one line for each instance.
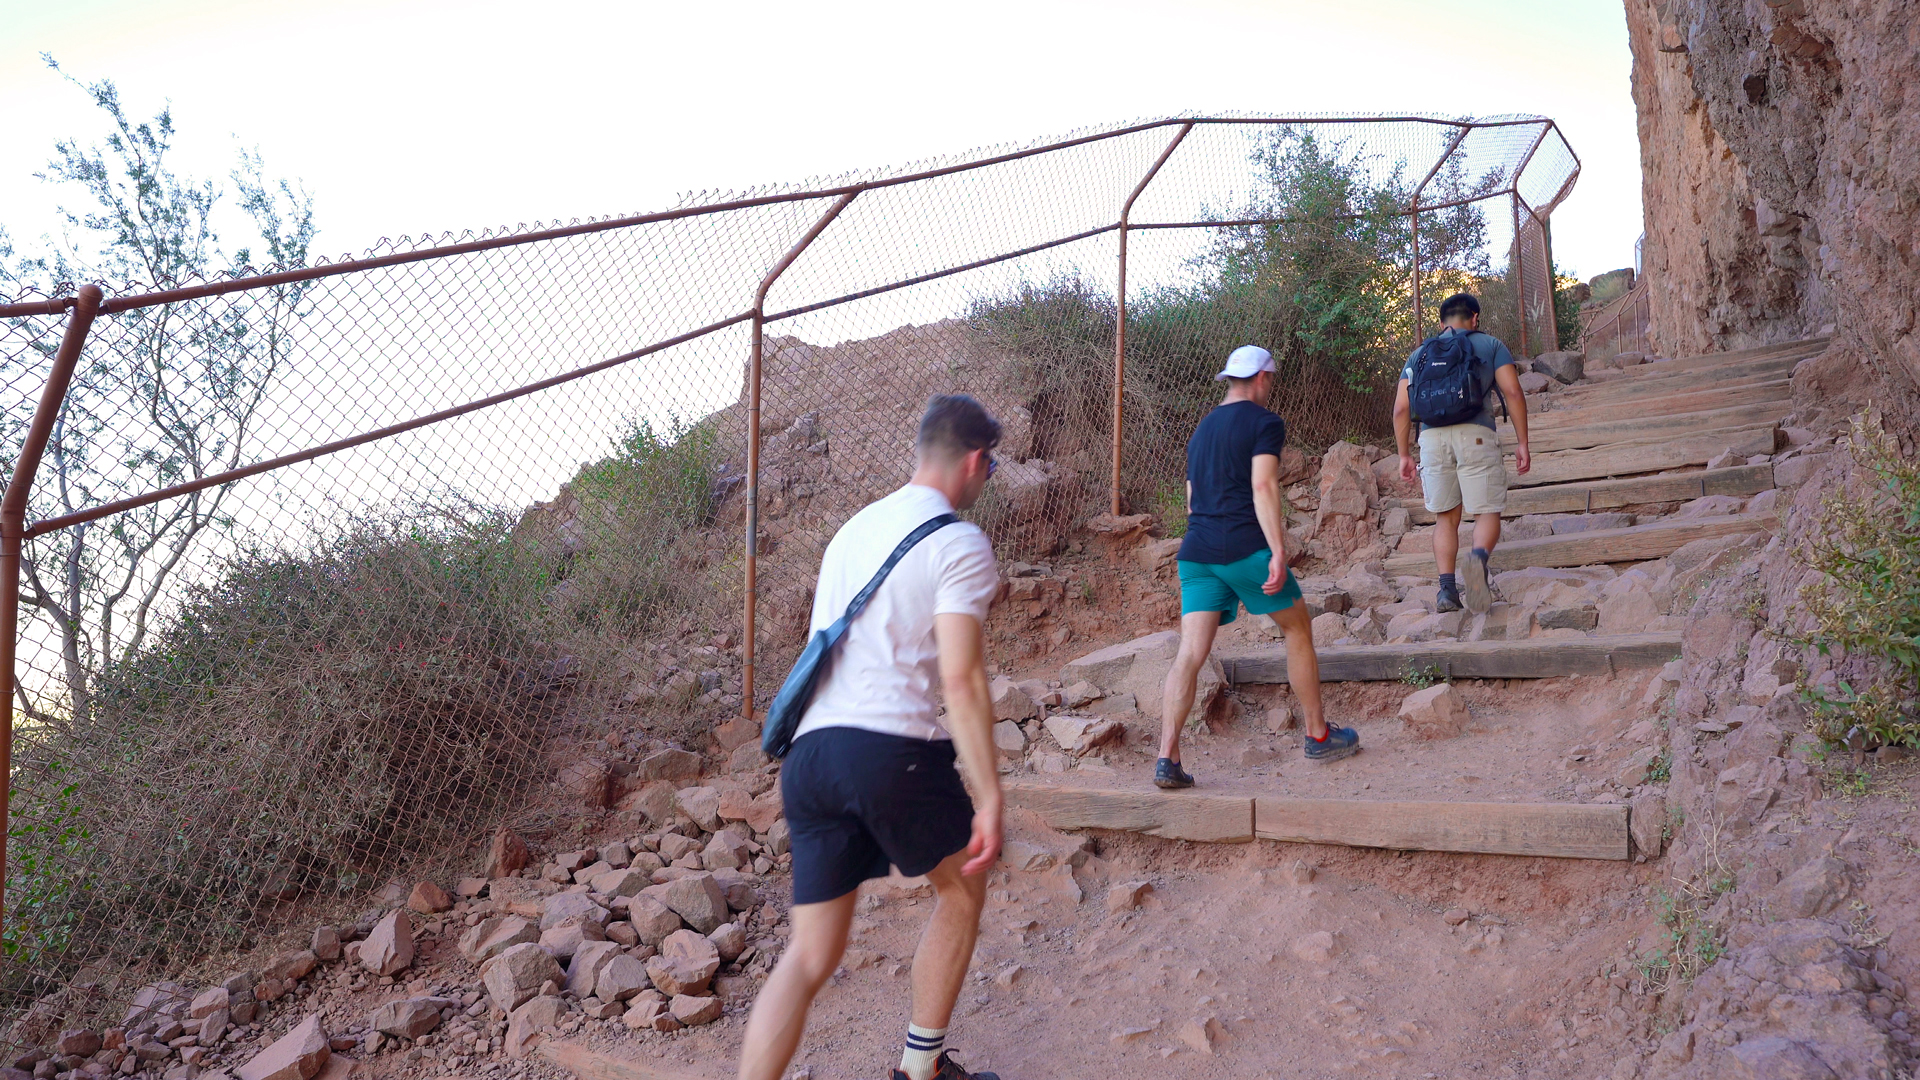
<point>1459,305</point>
<point>956,425</point>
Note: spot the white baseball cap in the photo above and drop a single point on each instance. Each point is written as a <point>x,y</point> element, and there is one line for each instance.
<point>1245,362</point>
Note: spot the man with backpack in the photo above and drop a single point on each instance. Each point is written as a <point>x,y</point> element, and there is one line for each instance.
<point>1446,386</point>
<point>869,777</point>
<point>1234,554</point>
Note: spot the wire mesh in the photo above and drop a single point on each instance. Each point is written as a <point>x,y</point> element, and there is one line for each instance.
<point>316,567</point>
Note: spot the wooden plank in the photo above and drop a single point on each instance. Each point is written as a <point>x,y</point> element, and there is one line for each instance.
<point>1612,494</point>
<point>1531,658</point>
<point>1576,412</point>
<point>1545,440</point>
<point>1220,819</point>
<point>1628,459</point>
<point>1799,350</point>
<point>1583,394</point>
<point>1552,830</point>
<point>1635,543</point>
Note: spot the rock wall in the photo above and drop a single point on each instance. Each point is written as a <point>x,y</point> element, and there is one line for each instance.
<point>1781,162</point>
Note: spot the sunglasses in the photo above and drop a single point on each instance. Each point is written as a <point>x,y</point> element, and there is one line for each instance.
<point>992,464</point>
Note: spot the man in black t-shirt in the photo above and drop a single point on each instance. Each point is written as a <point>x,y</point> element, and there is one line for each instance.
<point>1235,553</point>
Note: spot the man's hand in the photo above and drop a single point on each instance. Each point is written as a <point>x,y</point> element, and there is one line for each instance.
<point>984,847</point>
<point>1276,573</point>
<point>1522,459</point>
<point>1408,470</point>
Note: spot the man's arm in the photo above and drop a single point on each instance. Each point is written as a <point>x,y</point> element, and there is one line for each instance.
<point>1403,430</point>
<point>1273,523</point>
<point>1508,378</point>
<point>963,678</point>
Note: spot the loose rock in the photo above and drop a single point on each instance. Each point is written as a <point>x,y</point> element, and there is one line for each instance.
<point>389,948</point>
<point>298,1055</point>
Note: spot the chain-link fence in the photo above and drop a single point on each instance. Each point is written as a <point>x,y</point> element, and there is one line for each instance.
<point>302,571</point>
<point>1625,325</point>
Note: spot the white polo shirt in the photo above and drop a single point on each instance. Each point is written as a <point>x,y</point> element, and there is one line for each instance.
<point>882,676</point>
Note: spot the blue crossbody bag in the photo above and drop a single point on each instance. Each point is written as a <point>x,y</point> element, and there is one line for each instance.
<point>790,704</point>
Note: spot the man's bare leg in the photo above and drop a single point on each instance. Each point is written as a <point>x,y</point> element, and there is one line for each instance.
<point>1486,531</point>
<point>1446,538</point>
<point>1303,666</point>
<point>946,946</point>
<point>780,1012</point>
<point>1176,696</point>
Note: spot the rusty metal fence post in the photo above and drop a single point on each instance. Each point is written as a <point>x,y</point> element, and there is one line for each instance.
<point>754,357</point>
<point>1120,305</point>
<point>13,521</point>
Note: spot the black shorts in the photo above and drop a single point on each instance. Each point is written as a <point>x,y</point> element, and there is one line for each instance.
<point>857,800</point>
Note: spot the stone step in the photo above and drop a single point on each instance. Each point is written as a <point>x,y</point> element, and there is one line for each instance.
<point>1646,456</point>
<point>1618,390</point>
<point>1575,413</point>
<point>1548,438</point>
<point>1551,830</point>
<point>1613,494</point>
<point>1530,658</point>
<point>1636,543</point>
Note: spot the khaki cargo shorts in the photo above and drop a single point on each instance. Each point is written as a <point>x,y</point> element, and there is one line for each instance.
<point>1462,465</point>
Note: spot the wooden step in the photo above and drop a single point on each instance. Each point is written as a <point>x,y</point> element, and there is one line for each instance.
<point>1636,543</point>
<point>1642,389</point>
<point>1573,414</point>
<point>1612,494</point>
<point>1548,438</point>
<point>1551,830</point>
<point>1634,458</point>
<point>1798,350</point>
<point>1529,658</point>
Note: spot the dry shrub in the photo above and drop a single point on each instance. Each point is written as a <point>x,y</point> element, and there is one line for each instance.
<point>306,721</point>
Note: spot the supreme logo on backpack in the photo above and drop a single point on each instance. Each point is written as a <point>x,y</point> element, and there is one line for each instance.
<point>1443,391</point>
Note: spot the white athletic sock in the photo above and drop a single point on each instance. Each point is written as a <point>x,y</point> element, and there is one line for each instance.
<point>923,1051</point>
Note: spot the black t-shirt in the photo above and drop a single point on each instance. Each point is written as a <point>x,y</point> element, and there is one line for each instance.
<point>1221,526</point>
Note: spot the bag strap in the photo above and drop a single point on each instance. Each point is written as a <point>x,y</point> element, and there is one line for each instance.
<point>859,602</point>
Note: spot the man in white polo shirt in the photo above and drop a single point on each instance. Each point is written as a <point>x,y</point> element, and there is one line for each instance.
<point>870,780</point>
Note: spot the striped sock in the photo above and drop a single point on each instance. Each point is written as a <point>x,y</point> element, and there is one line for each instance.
<point>922,1056</point>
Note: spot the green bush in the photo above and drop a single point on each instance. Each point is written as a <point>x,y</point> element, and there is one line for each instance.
<point>1868,600</point>
<point>305,721</point>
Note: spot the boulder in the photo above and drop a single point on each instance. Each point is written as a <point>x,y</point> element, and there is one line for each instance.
<point>726,851</point>
<point>627,882</point>
<point>1438,712</point>
<point>668,765</point>
<point>566,939</point>
<point>620,978</point>
<point>429,899</point>
<point>79,1042</point>
<point>686,963</point>
<point>326,943</point>
<point>1128,895</point>
<point>1010,700</point>
<point>206,1004</point>
<point>1815,889</point>
<point>300,1054</point>
<point>650,1012</point>
<point>1343,523</point>
<point>652,919</point>
<point>697,899</point>
<point>701,804</point>
<point>388,950</point>
<point>1079,734</point>
<point>496,935</point>
<point>730,940</point>
<point>1009,740</point>
<point>517,974</point>
<point>1647,823</point>
<point>767,808</point>
<point>583,972</point>
<point>1533,382</point>
<point>1366,589</point>
<point>507,856</point>
<point>557,909</point>
<point>411,1018</point>
<point>1329,627</point>
<point>691,1011</point>
<point>1565,367</point>
<point>586,874</point>
<point>529,1023</point>
<point>1139,667</point>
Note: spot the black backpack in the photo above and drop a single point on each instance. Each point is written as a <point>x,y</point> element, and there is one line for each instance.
<point>1444,390</point>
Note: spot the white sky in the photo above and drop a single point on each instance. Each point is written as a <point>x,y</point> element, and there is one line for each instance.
<point>418,116</point>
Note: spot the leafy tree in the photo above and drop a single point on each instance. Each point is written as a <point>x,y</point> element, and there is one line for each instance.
<point>162,395</point>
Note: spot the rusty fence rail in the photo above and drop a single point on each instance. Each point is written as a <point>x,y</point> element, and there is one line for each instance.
<point>1625,325</point>
<point>301,570</point>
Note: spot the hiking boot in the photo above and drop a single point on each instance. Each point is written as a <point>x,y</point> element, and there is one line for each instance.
<point>1473,574</point>
<point>950,1069</point>
<point>1167,773</point>
<point>1341,742</point>
<point>1448,600</point>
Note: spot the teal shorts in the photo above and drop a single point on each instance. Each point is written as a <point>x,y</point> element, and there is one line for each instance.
<point>1223,587</point>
